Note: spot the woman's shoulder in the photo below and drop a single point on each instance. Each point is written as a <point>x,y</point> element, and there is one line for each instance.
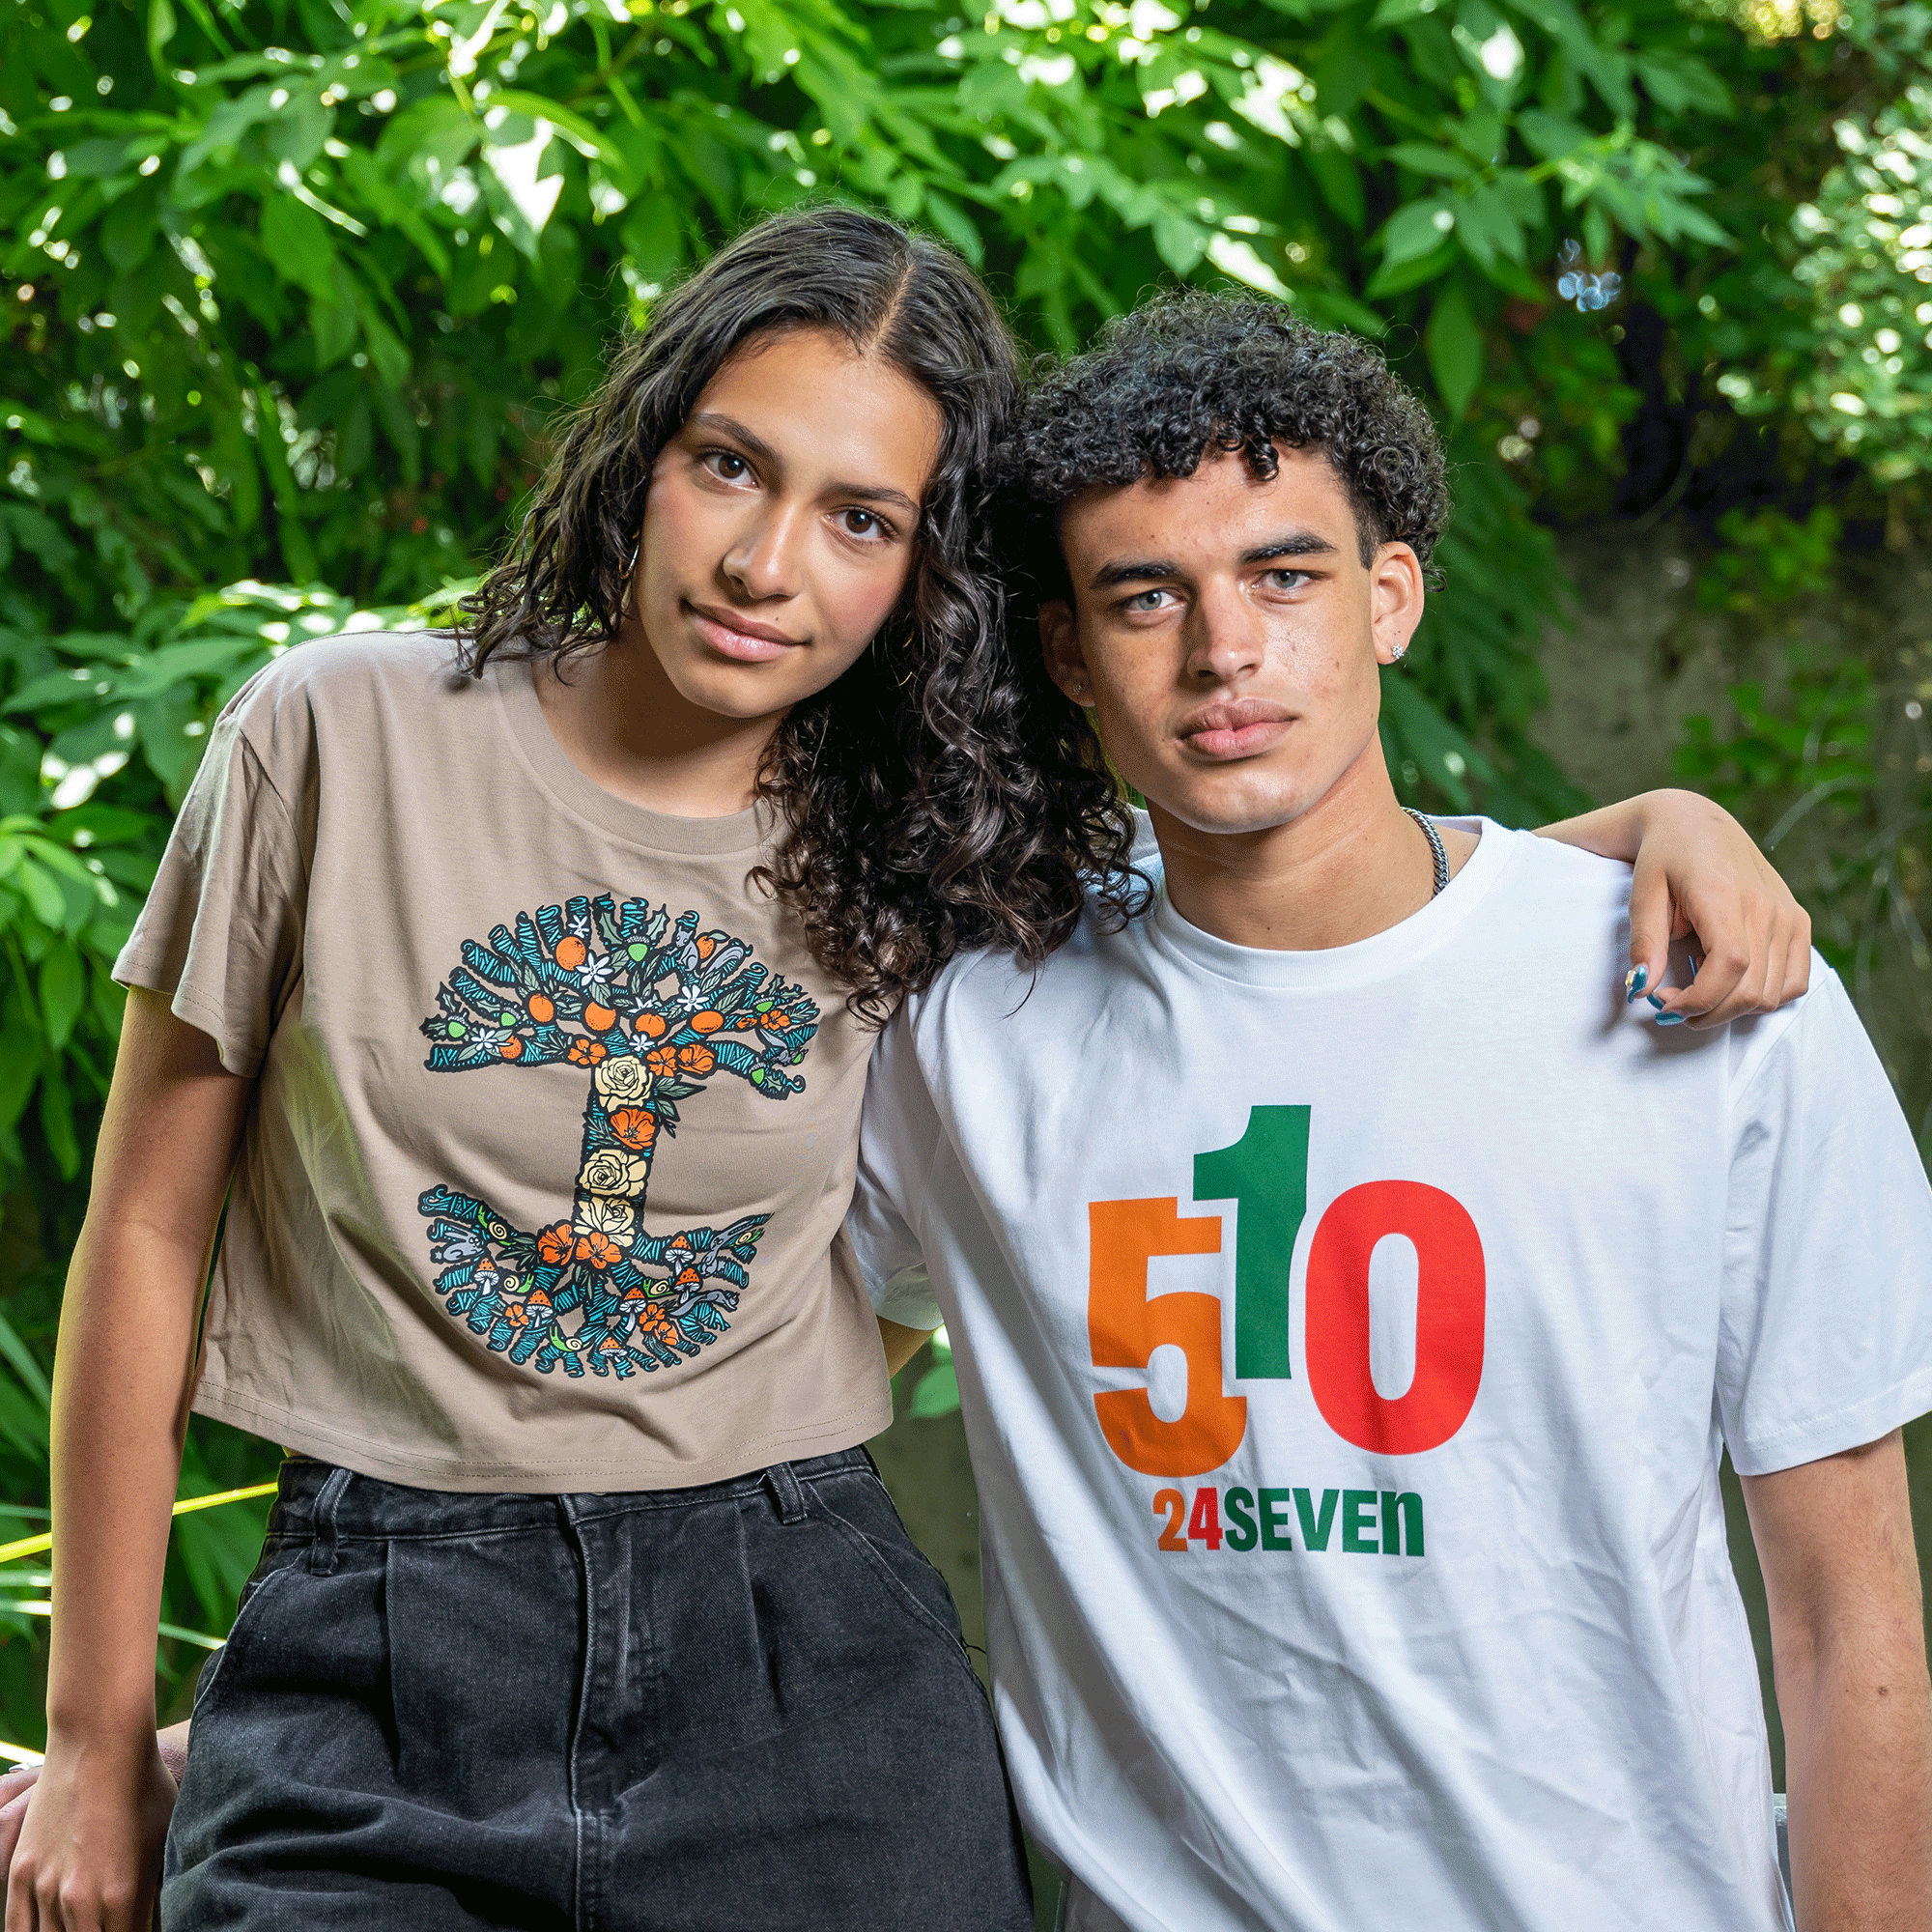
<point>356,669</point>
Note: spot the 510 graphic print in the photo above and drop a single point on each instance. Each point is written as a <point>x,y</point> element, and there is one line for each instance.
<point>648,1010</point>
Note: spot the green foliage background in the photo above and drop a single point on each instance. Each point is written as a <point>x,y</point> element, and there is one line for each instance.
<point>291,290</point>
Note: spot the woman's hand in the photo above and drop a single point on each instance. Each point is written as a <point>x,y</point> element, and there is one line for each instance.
<point>1699,876</point>
<point>85,1855</point>
<point>17,1787</point>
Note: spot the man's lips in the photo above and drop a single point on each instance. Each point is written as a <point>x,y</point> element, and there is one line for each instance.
<point>1238,728</point>
<point>735,636</point>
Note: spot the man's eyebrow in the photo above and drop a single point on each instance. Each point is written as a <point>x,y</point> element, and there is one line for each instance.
<point>718,424</point>
<point>1145,570</point>
<point>1293,543</point>
<point>1136,570</point>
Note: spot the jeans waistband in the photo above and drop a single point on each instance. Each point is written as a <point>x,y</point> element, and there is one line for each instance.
<point>313,1495</point>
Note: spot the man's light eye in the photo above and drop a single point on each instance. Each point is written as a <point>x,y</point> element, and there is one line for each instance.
<point>1147,600</point>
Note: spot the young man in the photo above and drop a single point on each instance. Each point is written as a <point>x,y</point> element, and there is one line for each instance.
<point>1348,1343</point>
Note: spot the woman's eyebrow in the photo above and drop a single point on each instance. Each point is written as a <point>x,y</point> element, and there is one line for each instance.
<point>723,425</point>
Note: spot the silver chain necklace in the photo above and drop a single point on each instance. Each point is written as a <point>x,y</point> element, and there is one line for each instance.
<point>1436,851</point>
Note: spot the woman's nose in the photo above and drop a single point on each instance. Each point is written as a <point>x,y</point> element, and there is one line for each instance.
<point>763,562</point>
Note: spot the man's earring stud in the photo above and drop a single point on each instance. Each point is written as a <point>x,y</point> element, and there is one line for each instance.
<point>1398,652</point>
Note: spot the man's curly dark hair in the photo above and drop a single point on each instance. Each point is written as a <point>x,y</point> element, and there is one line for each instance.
<point>926,803</point>
<point>1190,373</point>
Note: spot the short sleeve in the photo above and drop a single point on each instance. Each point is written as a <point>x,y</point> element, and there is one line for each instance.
<point>220,933</point>
<point>1825,1331</point>
<point>897,1134</point>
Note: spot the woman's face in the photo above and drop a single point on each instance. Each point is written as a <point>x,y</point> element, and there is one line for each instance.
<point>780,526</point>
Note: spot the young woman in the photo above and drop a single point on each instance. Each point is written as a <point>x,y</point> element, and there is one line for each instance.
<point>521,986</point>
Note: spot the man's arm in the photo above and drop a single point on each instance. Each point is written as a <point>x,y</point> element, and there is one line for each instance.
<point>1697,871</point>
<point>1848,1644</point>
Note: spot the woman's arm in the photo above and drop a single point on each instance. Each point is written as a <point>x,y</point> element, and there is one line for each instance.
<point>901,1344</point>
<point>89,1854</point>
<point>1697,871</point>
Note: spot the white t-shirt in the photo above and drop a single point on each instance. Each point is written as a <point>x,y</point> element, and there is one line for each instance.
<point>1393,1590</point>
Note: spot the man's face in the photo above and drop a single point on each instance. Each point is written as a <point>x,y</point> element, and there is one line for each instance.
<point>1229,636</point>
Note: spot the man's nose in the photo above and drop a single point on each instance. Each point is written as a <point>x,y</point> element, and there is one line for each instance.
<point>1226,638</point>
<point>763,561</point>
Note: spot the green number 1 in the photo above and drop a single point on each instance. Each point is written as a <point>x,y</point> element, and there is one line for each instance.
<point>1265,1172</point>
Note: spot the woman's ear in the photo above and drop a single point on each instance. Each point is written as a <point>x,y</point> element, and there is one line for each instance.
<point>1396,595</point>
<point>1060,642</point>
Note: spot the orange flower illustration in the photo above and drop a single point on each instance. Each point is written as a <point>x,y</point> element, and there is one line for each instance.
<point>600,1251</point>
<point>662,1062</point>
<point>697,1060</point>
<point>554,1245</point>
<point>636,1126</point>
<point>586,1052</point>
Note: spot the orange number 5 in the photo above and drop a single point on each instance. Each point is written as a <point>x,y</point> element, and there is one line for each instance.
<point>1125,1327</point>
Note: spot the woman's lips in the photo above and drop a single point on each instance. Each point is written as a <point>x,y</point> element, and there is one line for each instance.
<point>734,636</point>
<point>1236,731</point>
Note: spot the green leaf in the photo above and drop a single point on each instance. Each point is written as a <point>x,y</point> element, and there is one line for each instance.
<point>1455,348</point>
<point>57,1122</point>
<point>1420,158</point>
<point>24,1365</point>
<point>295,241</point>
<point>1416,230</point>
<point>63,992</point>
<point>43,893</point>
<point>937,1393</point>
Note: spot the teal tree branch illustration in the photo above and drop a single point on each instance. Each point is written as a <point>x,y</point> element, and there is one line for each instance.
<point>650,1012</point>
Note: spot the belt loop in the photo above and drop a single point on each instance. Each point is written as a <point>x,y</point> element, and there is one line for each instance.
<point>783,1482</point>
<point>321,1550</point>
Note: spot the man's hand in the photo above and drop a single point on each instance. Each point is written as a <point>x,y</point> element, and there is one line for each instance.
<point>88,1856</point>
<point>1848,1641</point>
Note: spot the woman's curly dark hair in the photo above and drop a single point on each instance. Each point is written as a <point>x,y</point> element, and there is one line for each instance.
<point>926,803</point>
<point>1189,373</point>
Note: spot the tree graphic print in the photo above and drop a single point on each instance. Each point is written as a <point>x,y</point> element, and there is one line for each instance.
<point>650,1012</point>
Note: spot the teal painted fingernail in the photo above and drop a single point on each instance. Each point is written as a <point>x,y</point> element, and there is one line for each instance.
<point>1670,1019</point>
<point>1633,983</point>
<point>1655,1001</point>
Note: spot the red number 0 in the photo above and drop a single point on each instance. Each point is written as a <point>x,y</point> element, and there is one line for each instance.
<point>1449,1316</point>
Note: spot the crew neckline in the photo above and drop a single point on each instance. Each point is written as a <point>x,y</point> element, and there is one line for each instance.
<point>1380,956</point>
<point>580,795</point>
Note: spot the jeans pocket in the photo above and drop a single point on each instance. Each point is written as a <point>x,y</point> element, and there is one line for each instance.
<point>865,1515</point>
<point>253,1607</point>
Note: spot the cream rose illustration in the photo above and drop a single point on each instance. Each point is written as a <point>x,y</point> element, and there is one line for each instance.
<point>603,1214</point>
<point>613,1171</point>
<point>621,1080</point>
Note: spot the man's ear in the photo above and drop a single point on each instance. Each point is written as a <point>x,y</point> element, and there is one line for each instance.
<point>1060,642</point>
<point>1395,591</point>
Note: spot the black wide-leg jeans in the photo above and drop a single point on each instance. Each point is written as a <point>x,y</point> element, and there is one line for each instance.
<point>725,1707</point>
